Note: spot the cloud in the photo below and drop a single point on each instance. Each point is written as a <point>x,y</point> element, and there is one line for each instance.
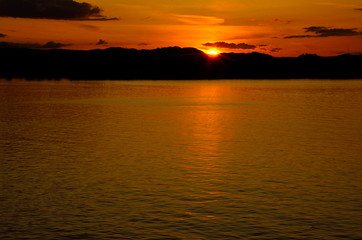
<point>143,44</point>
<point>199,20</point>
<point>2,35</point>
<point>95,19</point>
<point>348,52</point>
<point>327,32</point>
<point>230,45</point>
<point>341,5</point>
<point>51,9</point>
<point>299,36</point>
<point>358,9</point>
<point>275,49</point>
<point>48,45</point>
<point>330,32</point>
<point>89,27</point>
<point>276,20</point>
<point>52,44</point>
<point>101,42</point>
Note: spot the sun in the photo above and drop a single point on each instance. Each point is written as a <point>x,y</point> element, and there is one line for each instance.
<point>212,52</point>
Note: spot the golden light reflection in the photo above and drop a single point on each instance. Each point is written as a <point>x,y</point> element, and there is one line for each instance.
<point>205,118</point>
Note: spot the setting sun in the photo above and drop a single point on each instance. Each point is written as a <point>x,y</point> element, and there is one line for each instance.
<point>213,52</point>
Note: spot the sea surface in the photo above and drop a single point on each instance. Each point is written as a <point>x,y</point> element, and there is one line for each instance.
<point>233,159</point>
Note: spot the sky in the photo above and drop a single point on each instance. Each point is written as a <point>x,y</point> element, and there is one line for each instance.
<point>278,28</point>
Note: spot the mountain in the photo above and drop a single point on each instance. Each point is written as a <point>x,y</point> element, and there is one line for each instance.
<point>170,63</point>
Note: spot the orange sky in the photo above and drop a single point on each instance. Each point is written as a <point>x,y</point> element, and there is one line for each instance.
<point>279,27</point>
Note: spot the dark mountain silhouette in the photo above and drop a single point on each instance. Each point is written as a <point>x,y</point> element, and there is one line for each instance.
<point>170,63</point>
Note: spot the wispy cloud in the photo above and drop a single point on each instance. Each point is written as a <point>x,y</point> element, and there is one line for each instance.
<point>51,9</point>
<point>2,35</point>
<point>230,45</point>
<point>48,45</point>
<point>339,5</point>
<point>275,50</point>
<point>320,31</point>
<point>90,27</point>
<point>276,20</point>
<point>101,42</point>
<point>199,20</point>
<point>95,19</point>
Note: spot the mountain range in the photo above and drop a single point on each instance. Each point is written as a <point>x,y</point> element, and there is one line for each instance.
<point>171,63</point>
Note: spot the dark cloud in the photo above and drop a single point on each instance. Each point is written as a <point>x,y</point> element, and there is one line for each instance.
<point>95,19</point>
<point>143,44</point>
<point>230,45</point>
<point>48,45</point>
<point>51,9</point>
<point>276,20</point>
<point>275,49</point>
<point>89,27</point>
<point>327,32</point>
<point>2,35</point>
<point>348,52</point>
<point>299,36</point>
<point>52,44</point>
<point>358,9</point>
<point>101,42</point>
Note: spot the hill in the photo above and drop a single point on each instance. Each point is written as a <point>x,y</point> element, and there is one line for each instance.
<point>170,63</point>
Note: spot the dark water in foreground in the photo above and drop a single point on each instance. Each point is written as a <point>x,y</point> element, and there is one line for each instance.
<point>181,160</point>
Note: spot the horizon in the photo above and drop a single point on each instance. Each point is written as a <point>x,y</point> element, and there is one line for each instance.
<point>212,53</point>
<point>280,29</point>
<point>171,63</point>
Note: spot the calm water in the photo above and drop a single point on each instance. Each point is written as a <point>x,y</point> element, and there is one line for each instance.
<point>181,160</point>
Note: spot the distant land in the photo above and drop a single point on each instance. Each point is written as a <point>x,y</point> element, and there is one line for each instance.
<point>171,63</point>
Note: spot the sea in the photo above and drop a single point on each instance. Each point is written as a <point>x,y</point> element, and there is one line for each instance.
<point>190,160</point>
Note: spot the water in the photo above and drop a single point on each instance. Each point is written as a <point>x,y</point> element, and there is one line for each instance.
<point>181,159</point>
